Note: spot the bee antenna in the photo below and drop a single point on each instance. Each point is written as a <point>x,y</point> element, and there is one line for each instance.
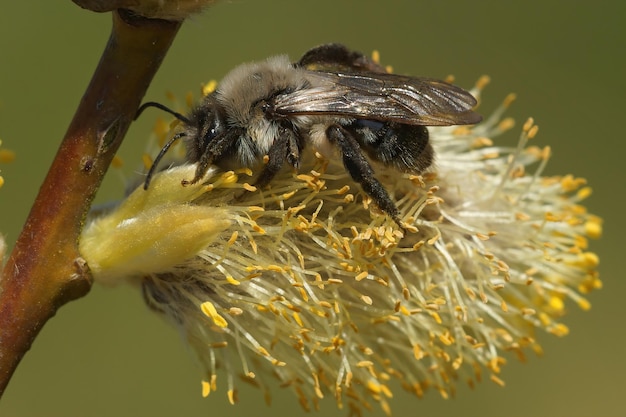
<point>161,107</point>
<point>160,156</point>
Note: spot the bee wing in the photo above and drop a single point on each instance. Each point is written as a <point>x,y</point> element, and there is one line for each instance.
<point>381,96</point>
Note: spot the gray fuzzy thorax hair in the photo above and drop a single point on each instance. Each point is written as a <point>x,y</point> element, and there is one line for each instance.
<point>246,86</point>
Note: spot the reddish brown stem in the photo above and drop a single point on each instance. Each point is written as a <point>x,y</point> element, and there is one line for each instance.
<point>45,269</point>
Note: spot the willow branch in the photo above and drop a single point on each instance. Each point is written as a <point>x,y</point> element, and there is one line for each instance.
<point>45,270</point>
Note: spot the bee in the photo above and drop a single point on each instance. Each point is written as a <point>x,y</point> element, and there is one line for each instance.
<point>332,99</point>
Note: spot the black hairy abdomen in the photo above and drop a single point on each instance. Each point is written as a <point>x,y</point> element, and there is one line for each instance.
<point>402,146</point>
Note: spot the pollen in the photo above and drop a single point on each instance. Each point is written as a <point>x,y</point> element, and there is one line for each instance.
<point>509,99</point>
<point>232,280</point>
<point>506,124</point>
<point>482,82</point>
<point>147,161</point>
<point>497,380</point>
<point>593,228</point>
<point>210,311</point>
<point>206,389</point>
<point>557,303</point>
<point>376,56</point>
<point>208,88</point>
<point>6,156</point>
<point>361,276</point>
<point>189,100</point>
<point>117,162</point>
<point>249,187</point>
<point>232,396</point>
<point>584,304</point>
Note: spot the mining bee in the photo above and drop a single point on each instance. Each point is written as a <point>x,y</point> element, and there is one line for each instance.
<point>332,99</point>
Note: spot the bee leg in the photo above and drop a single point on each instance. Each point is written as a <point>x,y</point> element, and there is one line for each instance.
<point>361,171</point>
<point>284,149</point>
<point>203,166</point>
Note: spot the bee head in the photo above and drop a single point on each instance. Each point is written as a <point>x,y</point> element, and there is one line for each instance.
<point>206,124</point>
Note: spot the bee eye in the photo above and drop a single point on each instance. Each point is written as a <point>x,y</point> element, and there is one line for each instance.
<point>214,128</point>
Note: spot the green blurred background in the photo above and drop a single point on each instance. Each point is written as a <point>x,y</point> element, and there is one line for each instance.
<point>107,355</point>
